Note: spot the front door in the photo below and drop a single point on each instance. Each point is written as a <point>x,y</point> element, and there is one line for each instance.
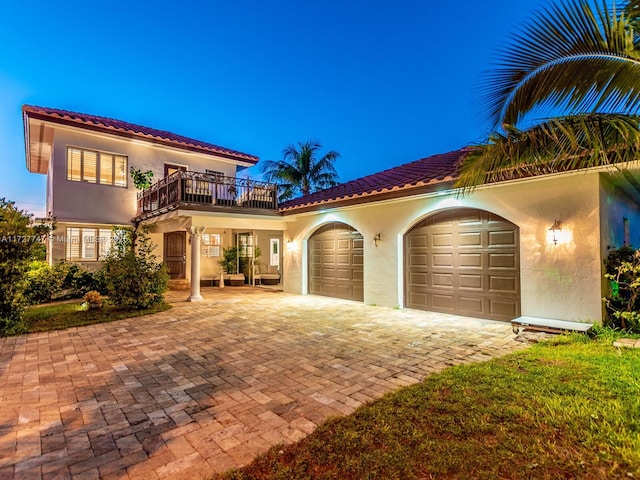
<point>175,254</point>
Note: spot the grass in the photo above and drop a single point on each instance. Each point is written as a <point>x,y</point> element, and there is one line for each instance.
<point>569,408</point>
<point>58,316</point>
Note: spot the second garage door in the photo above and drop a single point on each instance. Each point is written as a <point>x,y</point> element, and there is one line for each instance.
<point>336,262</point>
<point>464,262</point>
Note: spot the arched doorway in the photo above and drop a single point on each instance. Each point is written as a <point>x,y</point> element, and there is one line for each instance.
<point>336,262</point>
<point>465,262</point>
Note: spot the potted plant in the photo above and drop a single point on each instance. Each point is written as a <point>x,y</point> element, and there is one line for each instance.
<point>229,264</point>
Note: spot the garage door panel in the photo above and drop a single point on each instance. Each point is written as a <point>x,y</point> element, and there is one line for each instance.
<point>442,260</point>
<point>470,239</point>
<point>418,241</point>
<point>417,260</point>
<point>503,284</point>
<point>443,301</point>
<point>470,260</point>
<point>468,264</point>
<point>419,300</point>
<point>418,278</point>
<point>504,308</point>
<point>329,244</point>
<point>471,282</point>
<point>502,260</point>
<point>441,240</point>
<point>442,280</point>
<point>343,258</point>
<point>336,262</point>
<point>471,305</point>
<point>468,219</point>
<point>502,238</point>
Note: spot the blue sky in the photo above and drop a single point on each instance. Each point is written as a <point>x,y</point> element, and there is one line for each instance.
<point>383,83</point>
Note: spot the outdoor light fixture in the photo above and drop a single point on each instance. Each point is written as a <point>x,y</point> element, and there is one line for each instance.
<point>377,238</point>
<point>555,230</point>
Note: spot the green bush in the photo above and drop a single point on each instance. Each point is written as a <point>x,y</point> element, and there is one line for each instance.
<point>78,281</point>
<point>43,282</point>
<point>133,277</point>
<point>623,302</point>
<point>64,280</point>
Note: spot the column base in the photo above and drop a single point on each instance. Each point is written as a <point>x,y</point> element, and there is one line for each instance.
<point>195,298</point>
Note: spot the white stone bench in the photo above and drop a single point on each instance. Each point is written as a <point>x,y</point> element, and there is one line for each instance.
<point>548,325</point>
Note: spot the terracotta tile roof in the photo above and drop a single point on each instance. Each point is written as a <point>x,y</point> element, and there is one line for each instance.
<point>432,170</point>
<point>118,127</point>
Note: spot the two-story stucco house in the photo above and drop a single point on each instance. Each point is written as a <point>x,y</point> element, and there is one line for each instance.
<point>89,190</point>
<point>403,237</point>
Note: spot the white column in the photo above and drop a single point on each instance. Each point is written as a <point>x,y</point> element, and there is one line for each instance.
<point>195,233</point>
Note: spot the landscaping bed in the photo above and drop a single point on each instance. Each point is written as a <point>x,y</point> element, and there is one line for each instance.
<point>67,314</point>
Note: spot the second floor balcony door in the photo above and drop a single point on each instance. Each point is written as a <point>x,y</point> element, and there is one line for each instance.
<point>170,168</point>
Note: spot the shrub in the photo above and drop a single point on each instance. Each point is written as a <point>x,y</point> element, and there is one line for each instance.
<point>79,281</point>
<point>134,279</point>
<point>229,259</point>
<point>92,299</point>
<point>43,282</point>
<point>623,302</point>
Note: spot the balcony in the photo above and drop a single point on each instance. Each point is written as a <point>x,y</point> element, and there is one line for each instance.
<point>204,191</point>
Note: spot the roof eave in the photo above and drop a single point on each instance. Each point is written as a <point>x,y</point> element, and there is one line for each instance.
<point>248,160</point>
<point>371,197</point>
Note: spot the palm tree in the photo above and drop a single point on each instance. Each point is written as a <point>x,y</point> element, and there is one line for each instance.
<point>300,171</point>
<point>580,64</point>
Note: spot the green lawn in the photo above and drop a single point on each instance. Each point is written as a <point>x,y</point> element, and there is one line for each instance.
<point>569,408</point>
<point>58,316</point>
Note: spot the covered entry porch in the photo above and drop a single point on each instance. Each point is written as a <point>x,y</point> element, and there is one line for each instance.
<point>211,249</point>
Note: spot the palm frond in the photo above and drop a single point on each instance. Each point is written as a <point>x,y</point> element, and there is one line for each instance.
<point>557,145</point>
<point>573,55</point>
<point>300,171</point>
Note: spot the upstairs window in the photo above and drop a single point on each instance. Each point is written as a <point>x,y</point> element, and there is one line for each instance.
<point>96,167</point>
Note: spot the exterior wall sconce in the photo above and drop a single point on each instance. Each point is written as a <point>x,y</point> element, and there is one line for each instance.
<point>291,245</point>
<point>377,238</point>
<point>555,231</point>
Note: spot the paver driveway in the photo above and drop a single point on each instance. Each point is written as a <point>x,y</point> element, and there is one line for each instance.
<point>206,386</point>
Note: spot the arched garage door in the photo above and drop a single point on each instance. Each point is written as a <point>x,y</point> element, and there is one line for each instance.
<point>336,262</point>
<point>464,262</point>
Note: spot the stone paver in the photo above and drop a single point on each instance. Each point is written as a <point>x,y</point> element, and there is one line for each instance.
<point>207,386</point>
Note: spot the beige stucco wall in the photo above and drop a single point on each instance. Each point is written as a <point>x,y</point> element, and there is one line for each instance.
<point>557,281</point>
<point>107,204</point>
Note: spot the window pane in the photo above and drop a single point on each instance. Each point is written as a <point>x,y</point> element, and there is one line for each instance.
<point>73,243</point>
<point>120,170</point>
<point>106,169</point>
<point>89,243</point>
<point>104,243</point>
<point>211,244</point>
<point>89,166</point>
<point>74,164</point>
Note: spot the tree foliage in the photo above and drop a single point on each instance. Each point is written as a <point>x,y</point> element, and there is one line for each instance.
<point>564,95</point>
<point>301,171</point>
<point>623,301</point>
<point>20,243</point>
